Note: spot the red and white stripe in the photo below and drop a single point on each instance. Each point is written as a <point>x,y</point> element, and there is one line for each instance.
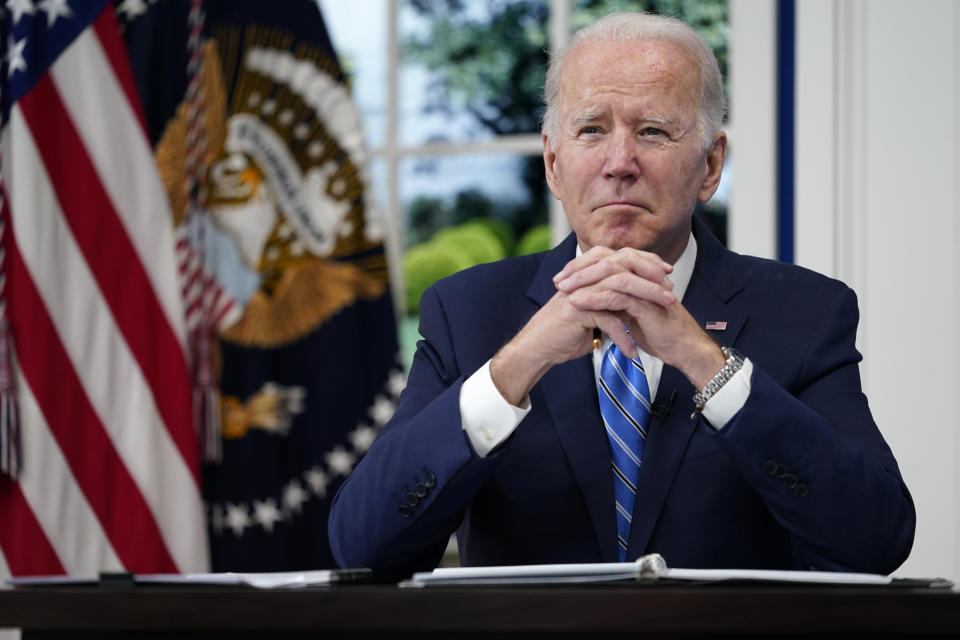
<point>110,475</point>
<point>201,291</point>
<point>208,305</point>
<point>196,136</point>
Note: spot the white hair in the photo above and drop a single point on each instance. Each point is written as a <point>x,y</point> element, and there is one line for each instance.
<point>641,27</point>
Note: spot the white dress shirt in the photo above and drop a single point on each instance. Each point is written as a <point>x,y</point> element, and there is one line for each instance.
<point>489,419</point>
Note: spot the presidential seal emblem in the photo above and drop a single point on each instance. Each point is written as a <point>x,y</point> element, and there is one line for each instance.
<point>287,187</point>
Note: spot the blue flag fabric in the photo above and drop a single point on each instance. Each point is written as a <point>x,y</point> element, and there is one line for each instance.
<point>293,248</point>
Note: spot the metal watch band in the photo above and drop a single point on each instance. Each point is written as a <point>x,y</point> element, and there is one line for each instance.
<point>733,364</point>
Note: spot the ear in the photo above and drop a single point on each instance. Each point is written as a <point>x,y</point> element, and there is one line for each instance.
<point>550,165</point>
<point>715,159</point>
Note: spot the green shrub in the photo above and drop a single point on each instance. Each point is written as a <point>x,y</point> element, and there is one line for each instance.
<point>534,240</point>
<point>501,229</point>
<point>477,241</point>
<point>424,264</point>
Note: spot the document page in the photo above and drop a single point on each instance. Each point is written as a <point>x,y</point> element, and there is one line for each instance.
<point>650,568</point>
<point>270,580</point>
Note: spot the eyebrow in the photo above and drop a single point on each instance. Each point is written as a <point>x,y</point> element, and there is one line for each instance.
<point>592,116</point>
<point>659,119</point>
<point>589,116</point>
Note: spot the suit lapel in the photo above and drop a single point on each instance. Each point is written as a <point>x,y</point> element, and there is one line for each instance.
<point>579,426</point>
<point>576,416</point>
<point>708,299</point>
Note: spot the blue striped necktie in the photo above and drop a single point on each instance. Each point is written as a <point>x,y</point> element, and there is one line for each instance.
<point>625,407</point>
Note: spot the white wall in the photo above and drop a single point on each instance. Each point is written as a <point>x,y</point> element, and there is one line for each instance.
<point>751,225</point>
<point>878,206</point>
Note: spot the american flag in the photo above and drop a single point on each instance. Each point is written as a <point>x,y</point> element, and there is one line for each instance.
<point>110,470</point>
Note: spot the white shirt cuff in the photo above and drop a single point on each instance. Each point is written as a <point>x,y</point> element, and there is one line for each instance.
<point>485,415</point>
<point>731,397</point>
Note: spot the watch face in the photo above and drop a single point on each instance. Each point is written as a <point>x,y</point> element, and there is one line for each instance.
<point>733,354</point>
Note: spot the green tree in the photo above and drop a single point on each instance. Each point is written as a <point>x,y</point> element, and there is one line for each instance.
<point>490,64</point>
<point>707,17</point>
<point>425,214</point>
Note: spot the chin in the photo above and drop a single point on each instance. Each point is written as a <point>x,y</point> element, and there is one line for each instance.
<point>621,238</point>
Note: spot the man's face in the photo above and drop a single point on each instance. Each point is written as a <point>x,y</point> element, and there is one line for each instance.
<point>627,159</point>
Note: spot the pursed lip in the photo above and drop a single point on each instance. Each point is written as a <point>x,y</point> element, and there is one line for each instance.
<point>621,203</point>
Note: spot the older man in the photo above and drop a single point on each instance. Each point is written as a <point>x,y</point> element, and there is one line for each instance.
<point>639,388</point>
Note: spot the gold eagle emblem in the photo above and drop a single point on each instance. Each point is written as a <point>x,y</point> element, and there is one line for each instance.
<point>286,183</point>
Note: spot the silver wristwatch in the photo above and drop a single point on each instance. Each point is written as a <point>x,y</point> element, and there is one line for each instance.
<point>733,364</point>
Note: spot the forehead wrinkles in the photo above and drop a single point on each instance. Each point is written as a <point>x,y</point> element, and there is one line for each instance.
<point>605,103</point>
<point>652,69</point>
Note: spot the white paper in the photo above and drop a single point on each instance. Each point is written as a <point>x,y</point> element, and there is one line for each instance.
<point>647,566</point>
<point>273,580</point>
<point>650,567</point>
<point>38,581</point>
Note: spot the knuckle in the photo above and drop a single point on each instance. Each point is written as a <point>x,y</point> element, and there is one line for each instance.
<point>621,280</point>
<point>611,299</point>
<point>572,281</point>
<point>579,297</point>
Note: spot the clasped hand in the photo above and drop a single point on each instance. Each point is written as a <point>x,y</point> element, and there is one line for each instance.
<point>617,292</point>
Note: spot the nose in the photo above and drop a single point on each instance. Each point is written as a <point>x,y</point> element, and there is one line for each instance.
<point>621,157</point>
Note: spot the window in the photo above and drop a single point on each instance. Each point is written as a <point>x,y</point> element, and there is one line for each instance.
<point>450,95</point>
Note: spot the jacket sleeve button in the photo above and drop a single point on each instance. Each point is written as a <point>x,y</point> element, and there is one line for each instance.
<point>801,490</point>
<point>412,500</point>
<point>405,511</point>
<point>430,481</point>
<point>790,480</point>
<point>421,491</point>
<point>770,467</point>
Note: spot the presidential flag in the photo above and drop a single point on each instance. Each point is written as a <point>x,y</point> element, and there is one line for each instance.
<point>169,169</point>
<point>286,223</point>
<point>107,475</point>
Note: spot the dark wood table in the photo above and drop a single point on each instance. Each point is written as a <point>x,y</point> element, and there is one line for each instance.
<point>595,611</point>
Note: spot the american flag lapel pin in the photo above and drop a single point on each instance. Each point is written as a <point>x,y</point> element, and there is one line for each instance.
<point>716,325</point>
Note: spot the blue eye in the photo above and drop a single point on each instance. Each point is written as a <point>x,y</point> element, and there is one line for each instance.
<point>652,131</point>
<point>589,130</point>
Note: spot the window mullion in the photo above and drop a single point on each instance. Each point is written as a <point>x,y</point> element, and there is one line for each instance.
<point>559,36</point>
<point>396,225</point>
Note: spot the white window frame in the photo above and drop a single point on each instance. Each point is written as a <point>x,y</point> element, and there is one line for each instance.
<point>392,152</point>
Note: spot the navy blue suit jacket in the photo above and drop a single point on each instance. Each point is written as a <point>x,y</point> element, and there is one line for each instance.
<point>799,478</point>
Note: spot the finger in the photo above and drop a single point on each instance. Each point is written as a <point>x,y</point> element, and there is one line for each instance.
<point>613,326</point>
<point>591,257</point>
<point>630,284</point>
<point>621,304</point>
<point>621,292</point>
<point>643,264</point>
<point>601,271</point>
<point>639,262</point>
